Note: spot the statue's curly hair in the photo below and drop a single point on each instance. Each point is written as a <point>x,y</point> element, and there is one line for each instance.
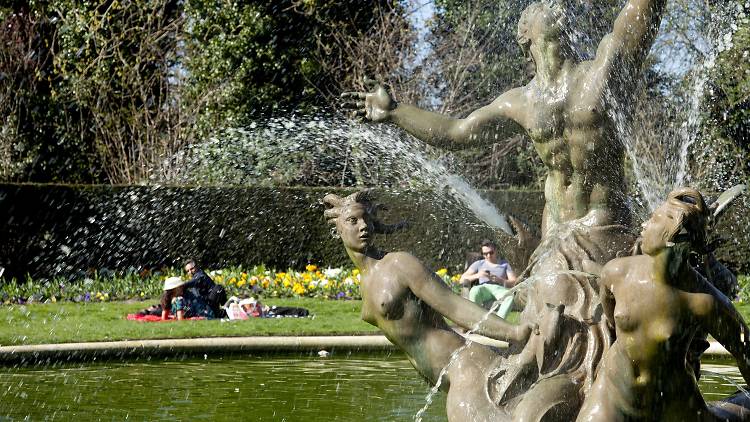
<point>335,205</point>
<point>691,218</point>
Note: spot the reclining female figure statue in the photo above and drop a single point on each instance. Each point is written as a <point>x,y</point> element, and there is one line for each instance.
<point>407,302</point>
<point>658,303</point>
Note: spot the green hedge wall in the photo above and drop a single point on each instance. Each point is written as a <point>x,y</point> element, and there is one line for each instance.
<point>66,230</point>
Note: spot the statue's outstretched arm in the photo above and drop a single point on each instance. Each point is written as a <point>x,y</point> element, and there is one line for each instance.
<point>430,289</point>
<point>634,31</point>
<point>492,123</point>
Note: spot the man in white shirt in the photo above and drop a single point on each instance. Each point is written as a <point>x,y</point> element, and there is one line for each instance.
<point>495,278</point>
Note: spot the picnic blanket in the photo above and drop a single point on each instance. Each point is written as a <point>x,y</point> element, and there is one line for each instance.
<point>157,318</point>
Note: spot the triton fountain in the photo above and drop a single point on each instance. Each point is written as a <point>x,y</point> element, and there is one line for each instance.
<point>556,362</point>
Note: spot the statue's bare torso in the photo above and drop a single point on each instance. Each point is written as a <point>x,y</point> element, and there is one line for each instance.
<point>576,141</point>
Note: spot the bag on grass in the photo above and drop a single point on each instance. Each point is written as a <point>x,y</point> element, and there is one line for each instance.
<point>234,310</point>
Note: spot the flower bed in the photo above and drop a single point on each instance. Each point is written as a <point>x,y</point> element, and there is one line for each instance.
<point>258,281</point>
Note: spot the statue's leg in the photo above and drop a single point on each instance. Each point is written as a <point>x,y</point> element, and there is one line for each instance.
<point>550,399</point>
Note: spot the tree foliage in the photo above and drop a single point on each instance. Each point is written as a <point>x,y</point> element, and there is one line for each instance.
<point>263,57</point>
<point>33,141</point>
<point>113,91</point>
<point>107,91</point>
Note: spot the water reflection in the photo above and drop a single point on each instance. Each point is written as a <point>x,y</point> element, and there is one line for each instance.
<point>719,378</point>
<point>257,388</point>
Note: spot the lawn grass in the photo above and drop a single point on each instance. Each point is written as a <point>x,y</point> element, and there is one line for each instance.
<point>66,322</point>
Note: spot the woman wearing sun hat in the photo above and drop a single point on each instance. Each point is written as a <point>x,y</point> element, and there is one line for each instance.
<point>184,303</point>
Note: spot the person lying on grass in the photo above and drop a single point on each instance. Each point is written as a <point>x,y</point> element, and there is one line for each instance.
<point>407,302</point>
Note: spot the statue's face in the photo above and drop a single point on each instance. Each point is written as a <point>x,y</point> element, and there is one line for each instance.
<point>656,230</point>
<point>355,226</point>
<point>539,21</point>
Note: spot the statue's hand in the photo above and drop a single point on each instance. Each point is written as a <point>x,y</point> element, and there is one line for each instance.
<point>374,106</point>
<point>524,331</point>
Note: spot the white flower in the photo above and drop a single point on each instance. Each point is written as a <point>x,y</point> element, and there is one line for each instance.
<point>332,272</point>
<point>348,281</point>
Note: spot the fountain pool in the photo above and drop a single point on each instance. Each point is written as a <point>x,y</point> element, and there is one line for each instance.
<point>259,388</point>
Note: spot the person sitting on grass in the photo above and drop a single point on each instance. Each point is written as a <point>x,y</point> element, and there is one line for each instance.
<point>407,302</point>
<point>495,278</point>
<point>201,284</point>
<point>182,302</point>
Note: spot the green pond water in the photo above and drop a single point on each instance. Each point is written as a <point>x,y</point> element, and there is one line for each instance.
<point>245,388</point>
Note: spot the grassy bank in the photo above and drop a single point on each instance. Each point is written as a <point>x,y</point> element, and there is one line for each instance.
<point>65,322</point>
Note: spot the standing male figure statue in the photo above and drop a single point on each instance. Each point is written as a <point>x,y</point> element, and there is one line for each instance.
<point>567,110</point>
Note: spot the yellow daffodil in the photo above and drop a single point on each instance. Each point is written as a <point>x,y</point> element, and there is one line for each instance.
<point>298,289</point>
<point>241,283</point>
<point>311,267</point>
<point>441,272</point>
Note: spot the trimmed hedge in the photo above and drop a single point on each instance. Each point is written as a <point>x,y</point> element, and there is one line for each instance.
<point>65,230</point>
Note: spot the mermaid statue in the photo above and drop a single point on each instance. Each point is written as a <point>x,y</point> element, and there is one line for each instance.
<point>407,302</point>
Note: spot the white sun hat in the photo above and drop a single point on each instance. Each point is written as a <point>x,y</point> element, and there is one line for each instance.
<point>248,301</point>
<point>173,282</point>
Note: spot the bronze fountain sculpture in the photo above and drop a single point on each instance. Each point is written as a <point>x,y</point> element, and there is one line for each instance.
<point>655,301</point>
<point>658,303</point>
<point>407,302</point>
<point>566,110</point>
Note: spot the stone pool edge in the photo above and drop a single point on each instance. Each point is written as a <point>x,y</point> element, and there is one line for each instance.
<point>213,346</point>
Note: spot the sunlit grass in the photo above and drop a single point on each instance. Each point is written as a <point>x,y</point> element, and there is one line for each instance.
<point>66,322</point>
